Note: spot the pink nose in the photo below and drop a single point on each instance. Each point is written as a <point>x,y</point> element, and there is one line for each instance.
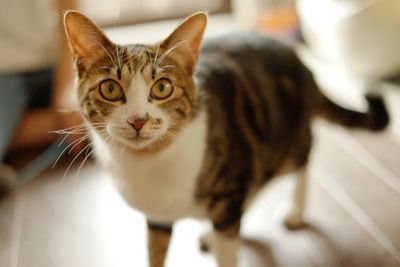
<point>137,123</point>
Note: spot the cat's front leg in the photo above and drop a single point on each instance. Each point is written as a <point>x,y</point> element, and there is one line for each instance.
<point>226,244</point>
<point>226,249</point>
<point>225,209</point>
<point>294,219</point>
<point>158,239</point>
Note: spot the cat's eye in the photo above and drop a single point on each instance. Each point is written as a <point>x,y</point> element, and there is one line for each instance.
<point>162,89</point>
<point>111,90</point>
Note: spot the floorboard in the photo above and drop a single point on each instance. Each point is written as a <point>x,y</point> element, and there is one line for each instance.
<point>353,211</point>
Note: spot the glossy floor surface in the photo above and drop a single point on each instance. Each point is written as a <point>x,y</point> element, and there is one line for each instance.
<point>353,214</point>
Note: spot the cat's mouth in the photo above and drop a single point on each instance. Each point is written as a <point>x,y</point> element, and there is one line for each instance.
<point>135,142</point>
<point>136,138</point>
<point>133,139</point>
<point>139,138</point>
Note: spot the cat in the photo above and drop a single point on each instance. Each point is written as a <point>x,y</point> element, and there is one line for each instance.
<point>196,130</point>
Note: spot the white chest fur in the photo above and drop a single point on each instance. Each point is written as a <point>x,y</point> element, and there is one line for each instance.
<point>162,185</point>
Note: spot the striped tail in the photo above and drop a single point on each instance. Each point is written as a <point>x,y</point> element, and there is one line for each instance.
<point>375,119</point>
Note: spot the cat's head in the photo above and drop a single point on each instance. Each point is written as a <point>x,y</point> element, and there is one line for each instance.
<point>138,95</point>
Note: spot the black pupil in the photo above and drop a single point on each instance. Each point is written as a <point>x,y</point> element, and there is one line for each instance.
<point>161,87</point>
<point>110,88</point>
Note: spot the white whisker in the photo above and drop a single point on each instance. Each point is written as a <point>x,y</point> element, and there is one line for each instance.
<point>85,159</point>
<point>161,69</point>
<point>122,151</point>
<point>108,53</point>
<point>119,60</point>
<point>155,58</point>
<point>65,149</point>
<point>160,61</point>
<point>72,162</point>
<point>107,68</point>
<point>77,143</point>
<point>62,140</point>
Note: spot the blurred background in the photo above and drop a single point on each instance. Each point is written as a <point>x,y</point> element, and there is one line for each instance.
<point>70,215</point>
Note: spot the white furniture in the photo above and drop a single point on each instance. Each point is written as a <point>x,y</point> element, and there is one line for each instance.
<point>358,37</point>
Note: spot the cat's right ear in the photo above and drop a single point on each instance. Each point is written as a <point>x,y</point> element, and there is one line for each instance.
<point>184,42</point>
<point>87,41</point>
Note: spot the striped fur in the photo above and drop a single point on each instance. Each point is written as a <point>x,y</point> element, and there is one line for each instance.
<point>261,103</point>
<point>238,119</point>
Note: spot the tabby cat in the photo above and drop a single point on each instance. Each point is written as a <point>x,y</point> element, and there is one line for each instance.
<point>195,132</point>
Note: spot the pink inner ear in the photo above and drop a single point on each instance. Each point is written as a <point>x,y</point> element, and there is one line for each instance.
<point>187,39</point>
<point>88,57</point>
<point>86,39</point>
<point>89,51</point>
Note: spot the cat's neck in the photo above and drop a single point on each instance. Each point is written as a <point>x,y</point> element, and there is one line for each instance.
<point>162,184</point>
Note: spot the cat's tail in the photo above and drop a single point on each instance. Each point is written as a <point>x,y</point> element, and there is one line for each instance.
<point>376,118</point>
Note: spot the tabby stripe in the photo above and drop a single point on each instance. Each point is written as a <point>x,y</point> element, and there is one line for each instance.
<point>185,93</point>
<point>235,193</point>
<point>251,102</point>
<point>87,94</point>
<point>159,227</point>
<point>142,68</point>
<point>224,86</point>
<point>246,111</point>
<point>128,64</point>
<point>232,216</point>
<point>92,113</point>
<point>180,112</point>
<point>146,62</point>
<point>125,55</point>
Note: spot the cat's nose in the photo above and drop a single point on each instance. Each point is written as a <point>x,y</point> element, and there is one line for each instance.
<point>137,122</point>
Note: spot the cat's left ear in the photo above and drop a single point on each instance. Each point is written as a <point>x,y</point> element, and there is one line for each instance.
<point>88,42</point>
<point>185,41</point>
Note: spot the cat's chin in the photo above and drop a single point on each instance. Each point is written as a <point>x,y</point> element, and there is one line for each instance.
<point>135,143</point>
<point>146,145</point>
<point>143,143</point>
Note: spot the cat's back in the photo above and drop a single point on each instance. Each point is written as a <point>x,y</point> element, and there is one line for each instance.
<point>259,75</point>
<point>248,49</point>
<point>259,97</point>
<point>254,63</point>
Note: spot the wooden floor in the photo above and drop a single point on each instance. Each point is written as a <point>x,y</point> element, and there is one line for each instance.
<point>353,215</point>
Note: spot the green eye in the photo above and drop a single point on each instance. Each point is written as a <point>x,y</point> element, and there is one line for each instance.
<point>162,89</point>
<point>111,90</point>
